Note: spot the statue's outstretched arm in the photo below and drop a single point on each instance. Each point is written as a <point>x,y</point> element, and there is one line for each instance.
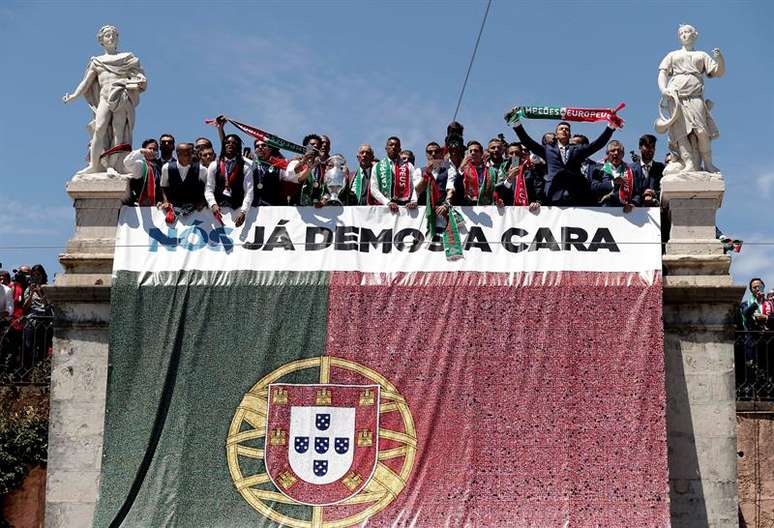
<point>721,62</point>
<point>88,78</point>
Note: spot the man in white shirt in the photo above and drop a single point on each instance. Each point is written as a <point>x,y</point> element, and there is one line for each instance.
<point>392,181</point>
<point>230,180</point>
<point>145,174</point>
<point>6,295</point>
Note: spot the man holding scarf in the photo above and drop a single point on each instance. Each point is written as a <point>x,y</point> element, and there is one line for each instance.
<point>614,183</point>
<point>268,172</point>
<point>495,158</point>
<point>355,191</point>
<point>309,172</point>
<point>476,181</point>
<point>565,185</point>
<point>145,186</point>
<point>392,180</point>
<point>230,180</point>
<point>521,187</point>
<point>438,170</point>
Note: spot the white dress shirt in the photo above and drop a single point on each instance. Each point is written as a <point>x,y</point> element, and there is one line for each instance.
<point>6,300</point>
<point>247,182</point>
<point>290,173</point>
<point>135,162</point>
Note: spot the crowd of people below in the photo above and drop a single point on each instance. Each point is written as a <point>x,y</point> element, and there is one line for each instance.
<point>757,312</point>
<point>558,171</point>
<point>25,317</point>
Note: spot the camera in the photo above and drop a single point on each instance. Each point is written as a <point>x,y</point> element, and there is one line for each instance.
<point>21,276</point>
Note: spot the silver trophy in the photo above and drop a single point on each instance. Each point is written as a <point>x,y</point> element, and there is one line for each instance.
<point>335,177</point>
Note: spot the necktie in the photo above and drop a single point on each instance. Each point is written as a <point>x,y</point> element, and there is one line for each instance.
<point>563,151</point>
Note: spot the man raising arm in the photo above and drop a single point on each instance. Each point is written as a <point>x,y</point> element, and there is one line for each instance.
<point>564,183</point>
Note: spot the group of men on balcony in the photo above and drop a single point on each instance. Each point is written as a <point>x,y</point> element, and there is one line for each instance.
<point>557,171</point>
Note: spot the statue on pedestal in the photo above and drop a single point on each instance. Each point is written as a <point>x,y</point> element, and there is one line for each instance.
<point>690,124</point>
<point>111,86</point>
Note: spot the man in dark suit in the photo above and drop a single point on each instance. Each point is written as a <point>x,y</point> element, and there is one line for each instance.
<point>564,183</point>
<point>588,165</point>
<point>614,183</point>
<point>648,170</point>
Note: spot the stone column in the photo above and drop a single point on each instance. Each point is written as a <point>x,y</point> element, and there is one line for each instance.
<point>80,359</point>
<point>699,304</point>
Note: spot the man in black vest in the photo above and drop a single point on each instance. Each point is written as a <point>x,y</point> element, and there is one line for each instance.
<point>230,180</point>
<point>564,183</point>
<point>267,174</point>
<point>182,181</point>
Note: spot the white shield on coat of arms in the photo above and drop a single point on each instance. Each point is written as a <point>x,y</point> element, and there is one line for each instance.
<point>322,440</point>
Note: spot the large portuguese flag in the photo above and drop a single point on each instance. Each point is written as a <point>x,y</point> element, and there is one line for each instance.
<point>243,392</point>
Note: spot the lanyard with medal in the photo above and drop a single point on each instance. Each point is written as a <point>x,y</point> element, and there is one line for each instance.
<point>228,177</point>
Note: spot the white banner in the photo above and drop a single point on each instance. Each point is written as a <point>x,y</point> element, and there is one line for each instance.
<point>372,239</point>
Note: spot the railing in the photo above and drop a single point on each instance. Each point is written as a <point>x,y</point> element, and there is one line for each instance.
<point>25,350</point>
<point>754,361</point>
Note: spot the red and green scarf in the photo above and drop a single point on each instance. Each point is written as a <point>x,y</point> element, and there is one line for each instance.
<point>566,113</point>
<point>148,194</point>
<point>357,184</point>
<point>481,195</point>
<point>520,196</point>
<point>452,244</point>
<point>626,191</point>
<point>257,133</point>
<point>394,184</point>
<point>315,179</point>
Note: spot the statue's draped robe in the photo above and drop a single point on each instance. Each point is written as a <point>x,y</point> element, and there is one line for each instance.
<point>686,71</point>
<point>125,66</point>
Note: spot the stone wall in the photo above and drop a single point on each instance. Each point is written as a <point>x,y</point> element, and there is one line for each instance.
<point>699,304</point>
<point>755,466</point>
<point>79,366</point>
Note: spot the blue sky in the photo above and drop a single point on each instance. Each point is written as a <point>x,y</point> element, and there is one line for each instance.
<point>362,71</point>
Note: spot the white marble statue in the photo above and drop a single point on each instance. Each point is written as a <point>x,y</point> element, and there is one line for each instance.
<point>111,86</point>
<point>690,124</point>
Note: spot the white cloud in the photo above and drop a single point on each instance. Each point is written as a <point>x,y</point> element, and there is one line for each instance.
<point>765,183</point>
<point>756,258</point>
<point>302,92</point>
<point>21,220</point>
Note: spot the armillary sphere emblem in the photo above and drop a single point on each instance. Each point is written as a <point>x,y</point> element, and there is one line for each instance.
<point>327,454</point>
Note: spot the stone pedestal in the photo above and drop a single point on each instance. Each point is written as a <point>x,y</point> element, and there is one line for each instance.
<point>80,359</point>
<point>88,256</point>
<point>699,304</point>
